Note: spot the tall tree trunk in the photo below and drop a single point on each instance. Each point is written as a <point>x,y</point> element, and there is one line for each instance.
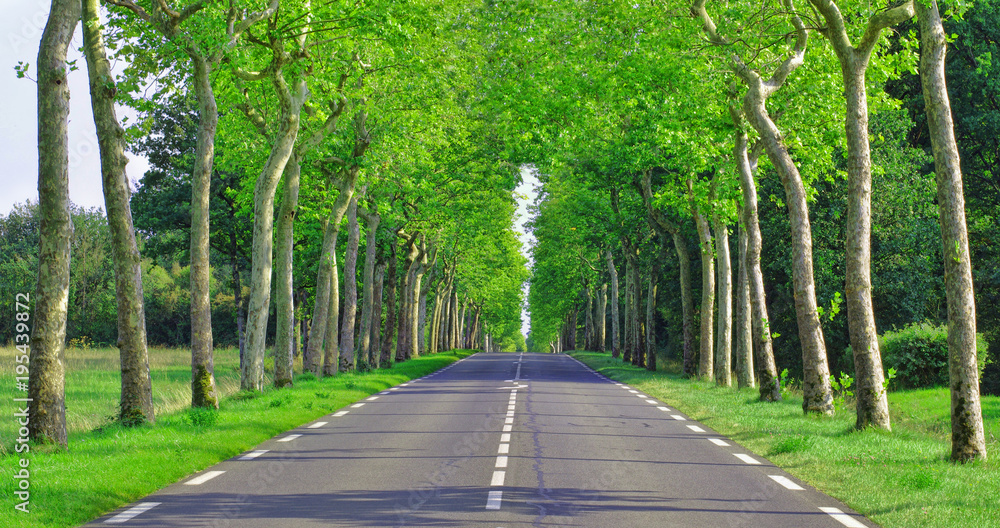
<point>372,220</point>
<point>46,378</point>
<point>350,287</point>
<point>453,320</point>
<point>638,342</point>
<point>872,403</point>
<point>629,347</point>
<point>421,267</point>
<point>376,319</point>
<point>291,98</point>
<point>724,331</point>
<point>967,437</point>
<point>403,332</point>
<point>613,273</point>
<point>602,318</point>
<point>284,339</point>
<point>390,316</point>
<point>238,301</point>
<point>588,325</point>
<point>654,276</point>
<point>331,337</point>
<point>763,359</point>
<point>203,392</point>
<point>743,330</point>
<point>706,346</point>
<point>136,403</point>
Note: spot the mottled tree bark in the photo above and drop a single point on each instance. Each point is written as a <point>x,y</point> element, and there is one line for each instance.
<point>372,220</point>
<point>872,403</point>
<point>602,318</point>
<point>724,331</point>
<point>390,315</point>
<point>350,287</point>
<point>967,438</point>
<point>376,323</point>
<point>743,333</point>
<point>588,324</point>
<point>136,403</point>
<point>706,345</point>
<point>629,345</point>
<point>652,279</point>
<point>613,274</point>
<point>331,336</point>
<point>46,378</point>
<point>404,328</point>
<point>284,340</point>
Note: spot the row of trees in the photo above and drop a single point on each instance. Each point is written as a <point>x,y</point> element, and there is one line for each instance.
<point>334,158</point>
<point>694,120</point>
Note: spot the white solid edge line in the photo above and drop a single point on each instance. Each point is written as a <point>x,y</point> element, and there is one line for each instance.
<point>786,482</point>
<point>719,442</point>
<point>501,461</point>
<point>696,429</point>
<point>494,500</point>
<point>505,437</point>
<point>289,438</point>
<point>842,517</point>
<point>253,454</point>
<point>678,417</point>
<point>317,425</point>
<point>356,405</point>
<point>340,413</point>
<point>132,512</point>
<point>203,478</point>
<point>747,458</point>
<point>498,477</point>
<point>504,448</point>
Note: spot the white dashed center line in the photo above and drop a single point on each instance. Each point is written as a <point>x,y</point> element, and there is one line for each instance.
<point>504,448</point>
<point>786,482</point>
<point>651,402</point>
<point>289,438</point>
<point>494,499</point>
<point>719,442</point>
<point>356,405</point>
<point>203,478</point>
<point>253,454</point>
<point>696,429</point>
<point>678,417</point>
<point>317,425</point>
<point>373,398</point>
<point>501,461</point>
<point>746,458</point>
<point>505,437</point>
<point>498,477</point>
<point>340,413</point>
<point>842,517</point>
<point>132,512</point>
<point>664,409</point>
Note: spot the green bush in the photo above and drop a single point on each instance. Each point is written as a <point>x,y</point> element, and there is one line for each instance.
<point>919,353</point>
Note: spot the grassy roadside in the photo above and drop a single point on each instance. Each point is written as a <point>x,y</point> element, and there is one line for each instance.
<point>902,479</point>
<point>110,466</point>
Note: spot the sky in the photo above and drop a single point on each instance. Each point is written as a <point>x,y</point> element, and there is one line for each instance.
<point>527,192</point>
<point>21,25</point>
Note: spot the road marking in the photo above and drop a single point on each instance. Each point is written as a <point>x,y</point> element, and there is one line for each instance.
<point>633,391</point>
<point>664,409</point>
<point>696,429</point>
<point>641,395</point>
<point>678,417</point>
<point>253,454</point>
<point>356,405</point>
<point>505,437</point>
<point>507,428</point>
<point>394,389</point>
<point>651,402</point>
<point>511,407</point>
<point>510,413</point>
<point>132,512</point>
<point>504,449</point>
<point>508,420</point>
<point>317,425</point>
<point>340,413</point>
<point>842,517</point>
<point>383,393</point>
<point>494,500</point>
<point>497,478</point>
<point>203,478</point>
<point>746,458</point>
<point>289,438</point>
<point>786,482</point>
<point>718,442</point>
<point>501,461</point>
<point>373,398</point>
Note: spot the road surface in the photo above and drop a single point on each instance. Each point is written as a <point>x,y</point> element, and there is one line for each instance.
<point>500,441</point>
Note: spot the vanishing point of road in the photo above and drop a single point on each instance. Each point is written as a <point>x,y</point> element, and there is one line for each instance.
<point>499,441</point>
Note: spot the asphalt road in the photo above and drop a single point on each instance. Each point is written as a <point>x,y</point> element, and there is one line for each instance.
<point>495,440</point>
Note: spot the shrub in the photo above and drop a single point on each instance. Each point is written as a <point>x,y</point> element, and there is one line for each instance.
<point>919,353</point>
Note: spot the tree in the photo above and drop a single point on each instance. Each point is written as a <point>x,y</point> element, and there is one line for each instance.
<point>136,403</point>
<point>46,380</point>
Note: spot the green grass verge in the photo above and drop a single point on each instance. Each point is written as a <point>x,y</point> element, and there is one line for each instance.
<point>898,479</point>
<point>110,466</point>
